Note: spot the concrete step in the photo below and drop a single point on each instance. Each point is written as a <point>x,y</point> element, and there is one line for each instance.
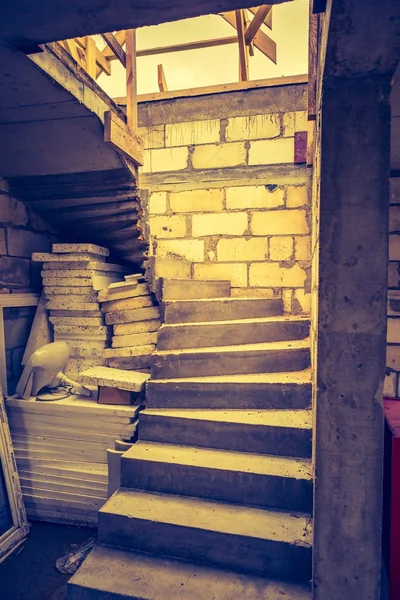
<point>240,478</point>
<point>227,333</point>
<point>245,539</point>
<point>109,574</point>
<point>185,289</point>
<point>220,309</point>
<point>269,357</point>
<point>254,391</point>
<point>274,432</point>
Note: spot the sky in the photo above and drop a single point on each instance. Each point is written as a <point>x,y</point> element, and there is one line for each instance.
<point>211,66</point>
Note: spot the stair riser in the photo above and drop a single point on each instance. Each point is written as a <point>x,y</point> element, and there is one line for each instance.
<point>76,592</point>
<point>242,554</point>
<point>227,395</point>
<point>251,489</point>
<point>240,437</point>
<point>229,363</point>
<point>205,336</point>
<point>184,290</point>
<point>191,312</point>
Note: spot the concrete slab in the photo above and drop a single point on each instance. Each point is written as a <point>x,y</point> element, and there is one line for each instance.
<point>130,351</point>
<point>246,539</point>
<point>255,391</point>
<point>87,265</point>
<point>250,479</point>
<point>84,248</point>
<point>142,289</point>
<point>115,574</point>
<point>274,432</point>
<point>116,378</point>
<point>231,360</point>
<point>72,257</point>
<point>129,303</point>
<point>135,328</point>
<point>132,316</point>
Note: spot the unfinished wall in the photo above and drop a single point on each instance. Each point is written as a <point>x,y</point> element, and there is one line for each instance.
<point>226,199</point>
<point>392,380</point>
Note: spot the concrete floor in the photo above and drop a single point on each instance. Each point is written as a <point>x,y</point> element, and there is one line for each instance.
<point>30,573</point>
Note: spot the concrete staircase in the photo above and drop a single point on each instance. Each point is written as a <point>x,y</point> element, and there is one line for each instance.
<point>216,496</point>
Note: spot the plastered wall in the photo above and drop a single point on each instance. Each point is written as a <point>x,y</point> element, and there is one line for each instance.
<point>226,200</point>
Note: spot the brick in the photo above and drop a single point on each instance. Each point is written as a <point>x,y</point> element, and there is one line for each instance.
<point>272,275</point>
<point>236,273</point>
<point>271,152</point>
<point>302,248</point>
<point>241,249</point>
<point>279,222</point>
<point>171,268</point>
<point>281,248</point>
<point>192,133</point>
<point>253,127</point>
<point>168,227</point>
<point>395,190</point>
<point>14,271</point>
<point>197,200</point>
<point>23,243</point>
<point>296,195</point>
<point>287,296</point>
<point>3,249</point>
<point>389,385</point>
<point>254,196</point>
<point>393,330</point>
<point>293,122</point>
<point>191,250</point>
<point>165,159</point>
<point>393,303</point>
<point>393,357</point>
<point>158,203</point>
<point>249,292</point>
<point>303,301</point>
<point>394,218</point>
<point>393,274</point>
<point>394,247</point>
<point>12,211</point>
<point>216,156</point>
<point>153,137</point>
<point>219,224</point>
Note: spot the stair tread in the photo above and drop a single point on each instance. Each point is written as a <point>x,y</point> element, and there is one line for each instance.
<point>133,575</point>
<point>265,346</point>
<point>221,460</point>
<point>290,377</point>
<point>195,513</point>
<point>276,319</point>
<point>225,300</point>
<point>297,419</point>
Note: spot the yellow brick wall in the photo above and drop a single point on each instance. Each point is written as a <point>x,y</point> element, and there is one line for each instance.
<point>216,210</point>
<point>392,381</point>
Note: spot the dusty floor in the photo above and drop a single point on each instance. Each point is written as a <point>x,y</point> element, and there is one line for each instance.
<point>30,573</point>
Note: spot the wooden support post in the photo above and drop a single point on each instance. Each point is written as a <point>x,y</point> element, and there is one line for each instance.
<point>247,21</point>
<point>131,80</point>
<point>243,49</point>
<point>90,56</point>
<point>162,84</point>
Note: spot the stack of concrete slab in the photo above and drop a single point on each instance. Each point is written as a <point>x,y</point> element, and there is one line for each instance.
<point>61,452</point>
<point>72,274</point>
<point>133,312</point>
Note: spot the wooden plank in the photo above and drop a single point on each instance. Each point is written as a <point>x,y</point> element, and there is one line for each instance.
<point>257,21</point>
<point>115,46</point>
<point>103,63</point>
<point>243,49</point>
<point>268,18</point>
<point>211,43</point>
<point>247,23</point>
<point>261,40</point>
<point>120,36</point>
<point>131,82</point>
<point>72,49</point>
<point>122,138</point>
<point>162,84</point>
<point>312,64</point>
<point>90,56</point>
<point>218,89</point>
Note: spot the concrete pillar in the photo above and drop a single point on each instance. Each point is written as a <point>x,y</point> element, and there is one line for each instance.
<point>349,335</point>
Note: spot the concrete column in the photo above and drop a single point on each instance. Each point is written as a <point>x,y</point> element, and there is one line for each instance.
<point>350,255</point>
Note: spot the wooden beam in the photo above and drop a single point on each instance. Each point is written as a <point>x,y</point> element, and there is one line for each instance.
<point>162,84</point>
<point>243,49</point>
<point>188,46</point>
<point>72,49</point>
<point>121,137</point>
<point>120,37</point>
<point>218,89</point>
<point>268,18</point>
<point>115,46</point>
<point>256,23</point>
<point>131,80</point>
<point>103,63</point>
<point>90,56</point>
<point>261,40</point>
<point>312,64</point>
<point>247,23</point>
